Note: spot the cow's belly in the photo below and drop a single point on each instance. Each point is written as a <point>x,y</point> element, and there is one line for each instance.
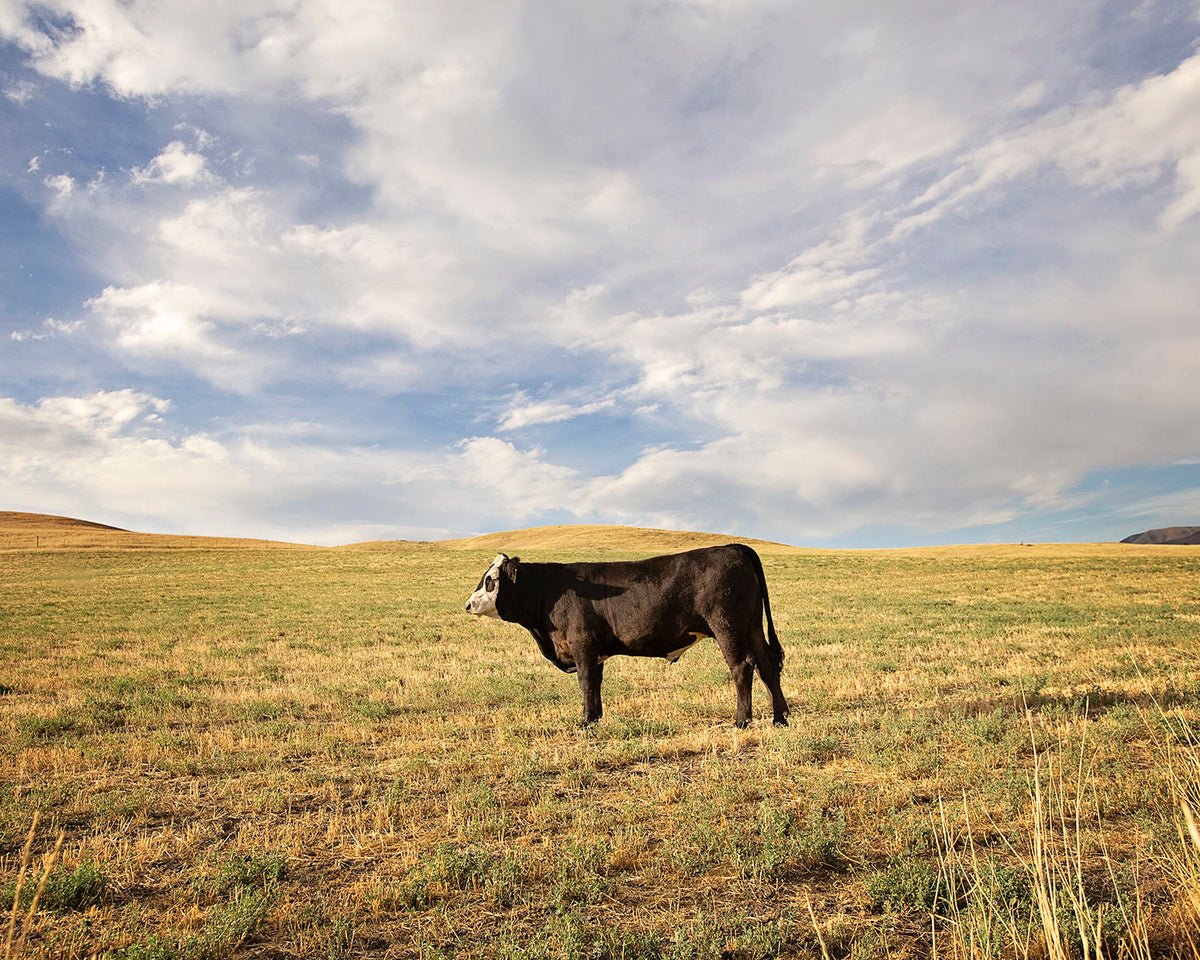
<point>674,655</point>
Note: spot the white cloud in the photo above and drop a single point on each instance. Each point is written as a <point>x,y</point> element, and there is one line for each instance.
<point>51,437</point>
<point>1030,97</point>
<point>50,329</point>
<point>1187,202</point>
<point>1142,132</point>
<point>220,279</point>
<point>748,474</point>
<point>172,322</point>
<point>796,478</point>
<point>1183,506</point>
<point>176,166</point>
<point>827,272</point>
<point>140,49</point>
<point>963,409</point>
<point>730,349</point>
<point>62,184</point>
<point>115,452</point>
<point>524,412</point>
<point>888,142</point>
<point>512,482</point>
<point>96,450</point>
<point>19,92</point>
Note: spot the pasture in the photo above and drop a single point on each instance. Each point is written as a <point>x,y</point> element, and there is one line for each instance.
<point>265,751</point>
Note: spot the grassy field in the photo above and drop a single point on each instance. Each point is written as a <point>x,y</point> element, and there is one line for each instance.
<point>256,750</point>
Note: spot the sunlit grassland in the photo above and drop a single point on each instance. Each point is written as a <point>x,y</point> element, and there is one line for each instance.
<point>294,752</point>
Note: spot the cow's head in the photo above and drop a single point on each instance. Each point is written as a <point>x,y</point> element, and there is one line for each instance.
<point>482,603</point>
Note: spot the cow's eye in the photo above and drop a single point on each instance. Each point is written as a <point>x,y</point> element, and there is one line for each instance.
<point>488,583</point>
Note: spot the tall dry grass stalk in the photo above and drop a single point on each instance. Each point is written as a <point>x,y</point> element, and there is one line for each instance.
<point>977,923</point>
<point>1183,865</point>
<point>1056,861</point>
<point>816,927</point>
<point>1190,857</point>
<point>28,921</point>
<point>25,852</point>
<point>1065,916</point>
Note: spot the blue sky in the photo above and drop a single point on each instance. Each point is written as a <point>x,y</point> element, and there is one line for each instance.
<point>873,275</point>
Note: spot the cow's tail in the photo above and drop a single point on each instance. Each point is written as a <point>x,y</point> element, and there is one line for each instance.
<point>773,644</point>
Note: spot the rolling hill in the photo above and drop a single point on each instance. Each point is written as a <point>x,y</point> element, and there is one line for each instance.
<point>13,521</point>
<point>23,531</point>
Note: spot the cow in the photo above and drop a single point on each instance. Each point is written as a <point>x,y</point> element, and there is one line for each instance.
<point>581,614</point>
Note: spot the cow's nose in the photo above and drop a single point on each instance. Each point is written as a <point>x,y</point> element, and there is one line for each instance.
<point>468,607</point>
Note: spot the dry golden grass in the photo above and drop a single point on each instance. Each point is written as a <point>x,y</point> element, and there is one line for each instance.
<point>285,752</point>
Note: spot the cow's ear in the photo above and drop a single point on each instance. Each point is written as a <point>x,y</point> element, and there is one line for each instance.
<point>509,569</point>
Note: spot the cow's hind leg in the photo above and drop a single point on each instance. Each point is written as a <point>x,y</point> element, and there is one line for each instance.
<point>741,669</point>
<point>768,671</point>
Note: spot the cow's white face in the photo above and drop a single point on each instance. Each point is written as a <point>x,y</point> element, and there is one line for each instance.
<point>482,603</point>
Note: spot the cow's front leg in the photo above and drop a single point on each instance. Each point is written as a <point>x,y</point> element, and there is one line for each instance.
<point>590,671</point>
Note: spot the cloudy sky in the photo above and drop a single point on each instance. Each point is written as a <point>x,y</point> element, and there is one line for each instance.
<point>858,274</point>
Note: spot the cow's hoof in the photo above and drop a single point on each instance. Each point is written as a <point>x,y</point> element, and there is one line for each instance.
<point>781,721</point>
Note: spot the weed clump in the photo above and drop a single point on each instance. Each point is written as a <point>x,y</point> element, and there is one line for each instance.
<point>249,872</point>
<point>909,884</point>
<point>66,889</point>
<point>788,847</point>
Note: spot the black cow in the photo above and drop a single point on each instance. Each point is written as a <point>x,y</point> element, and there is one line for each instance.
<point>581,614</point>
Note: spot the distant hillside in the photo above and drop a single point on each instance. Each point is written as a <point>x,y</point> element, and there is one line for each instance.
<point>43,531</point>
<point>1171,535</point>
<point>10,520</point>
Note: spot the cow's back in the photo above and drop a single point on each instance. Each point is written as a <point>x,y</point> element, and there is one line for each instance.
<point>694,591</point>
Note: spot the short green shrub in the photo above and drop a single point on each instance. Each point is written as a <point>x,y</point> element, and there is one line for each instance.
<point>460,868</point>
<point>153,947</point>
<point>787,846</point>
<point>249,872</point>
<point>46,729</point>
<point>228,927</point>
<point>67,889</point>
<point>909,884</point>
